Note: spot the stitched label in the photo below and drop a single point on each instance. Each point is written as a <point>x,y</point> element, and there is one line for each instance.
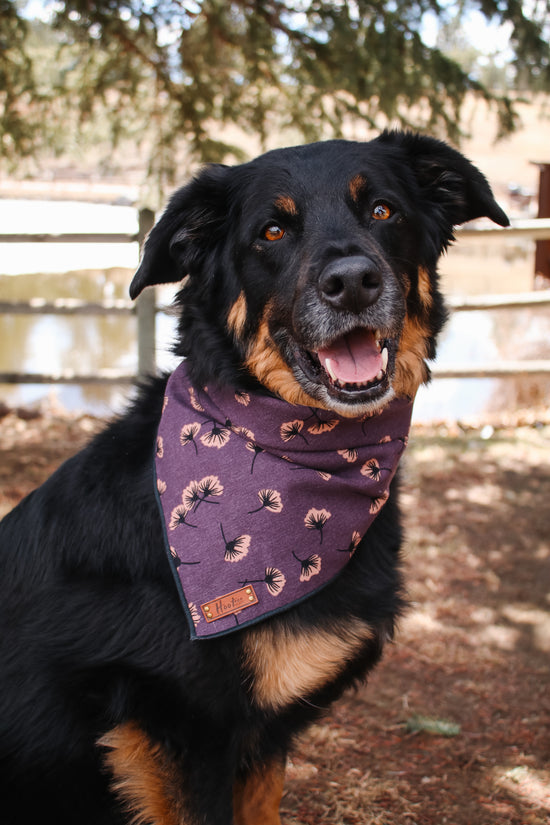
<point>229,604</point>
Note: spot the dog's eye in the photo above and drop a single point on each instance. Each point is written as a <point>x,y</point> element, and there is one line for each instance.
<point>273,232</point>
<point>381,212</point>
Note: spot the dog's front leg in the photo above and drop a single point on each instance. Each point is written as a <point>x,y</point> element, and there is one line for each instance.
<point>154,788</point>
<point>256,799</point>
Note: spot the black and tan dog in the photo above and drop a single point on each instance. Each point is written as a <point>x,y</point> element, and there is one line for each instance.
<point>110,712</point>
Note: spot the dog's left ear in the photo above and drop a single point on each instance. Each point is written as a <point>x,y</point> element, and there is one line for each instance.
<point>448,179</point>
<point>177,242</point>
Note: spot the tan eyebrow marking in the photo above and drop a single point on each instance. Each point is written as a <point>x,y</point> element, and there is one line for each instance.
<point>286,204</point>
<point>356,185</point>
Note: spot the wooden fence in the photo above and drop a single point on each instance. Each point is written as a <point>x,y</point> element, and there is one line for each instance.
<point>145,309</point>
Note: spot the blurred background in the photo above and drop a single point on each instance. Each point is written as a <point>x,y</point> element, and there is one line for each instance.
<point>107,107</point>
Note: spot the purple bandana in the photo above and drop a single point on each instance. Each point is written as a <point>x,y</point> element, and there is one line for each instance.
<point>264,502</point>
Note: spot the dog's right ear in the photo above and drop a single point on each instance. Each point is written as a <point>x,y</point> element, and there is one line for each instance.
<point>185,230</point>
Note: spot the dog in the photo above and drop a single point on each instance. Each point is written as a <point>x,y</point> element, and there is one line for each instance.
<point>309,283</point>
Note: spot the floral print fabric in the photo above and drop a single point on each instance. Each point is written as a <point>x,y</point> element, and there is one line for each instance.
<point>260,496</point>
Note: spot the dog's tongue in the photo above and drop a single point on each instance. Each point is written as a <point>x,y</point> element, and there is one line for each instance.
<point>352,359</point>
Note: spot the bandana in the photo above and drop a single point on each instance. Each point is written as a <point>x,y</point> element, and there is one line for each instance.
<point>264,502</point>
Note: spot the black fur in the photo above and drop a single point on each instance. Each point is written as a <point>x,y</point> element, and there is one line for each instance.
<point>92,631</point>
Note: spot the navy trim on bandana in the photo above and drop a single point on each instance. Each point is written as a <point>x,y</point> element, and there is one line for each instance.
<point>264,502</point>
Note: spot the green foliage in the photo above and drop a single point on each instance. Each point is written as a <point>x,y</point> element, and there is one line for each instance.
<point>428,724</point>
<point>163,72</point>
<point>17,133</point>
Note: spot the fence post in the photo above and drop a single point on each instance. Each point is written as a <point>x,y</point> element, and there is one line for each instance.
<point>542,252</point>
<point>146,308</point>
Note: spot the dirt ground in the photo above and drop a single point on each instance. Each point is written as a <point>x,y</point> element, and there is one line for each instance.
<point>454,725</point>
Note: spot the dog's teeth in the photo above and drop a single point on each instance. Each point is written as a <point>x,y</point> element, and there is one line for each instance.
<point>330,369</point>
<point>380,375</point>
<point>384,359</point>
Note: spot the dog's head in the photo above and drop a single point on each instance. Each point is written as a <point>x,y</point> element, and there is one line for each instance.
<point>312,270</point>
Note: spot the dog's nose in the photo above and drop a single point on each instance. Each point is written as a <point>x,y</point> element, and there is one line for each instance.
<point>351,283</point>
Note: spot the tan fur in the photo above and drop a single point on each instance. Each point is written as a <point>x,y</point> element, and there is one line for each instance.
<point>356,184</point>
<point>286,204</point>
<point>425,289</point>
<point>286,665</point>
<point>257,801</point>
<point>144,777</point>
<point>410,367</point>
<point>236,318</point>
<point>266,364</point>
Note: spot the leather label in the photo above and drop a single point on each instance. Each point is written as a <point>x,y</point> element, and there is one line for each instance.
<point>229,604</point>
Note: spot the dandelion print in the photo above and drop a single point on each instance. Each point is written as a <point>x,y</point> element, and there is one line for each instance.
<point>292,429</point>
<point>191,496</point>
<point>194,401</point>
<point>256,449</point>
<point>179,516</point>
<point>310,566</point>
<point>237,549</point>
<point>269,500</point>
<point>243,432</point>
<point>217,436</point>
<point>165,403</point>
<point>177,561</point>
<point>323,475</point>
<point>198,492</point>
<point>161,486</point>
<point>316,520</point>
<point>319,427</point>
<point>352,547</point>
<point>195,615</point>
<point>160,447</point>
<point>273,579</point>
<point>242,397</point>
<point>210,486</point>
<point>372,469</point>
<point>350,455</point>
<point>376,504</point>
<point>188,433</point>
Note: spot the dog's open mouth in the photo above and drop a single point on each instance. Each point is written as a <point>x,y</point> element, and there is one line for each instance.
<point>353,367</point>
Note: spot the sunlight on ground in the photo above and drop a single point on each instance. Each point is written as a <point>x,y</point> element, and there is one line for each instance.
<point>537,620</point>
<point>532,786</point>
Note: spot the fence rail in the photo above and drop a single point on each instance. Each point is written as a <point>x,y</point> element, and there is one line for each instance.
<point>101,376</point>
<point>534,229</point>
<point>517,300</point>
<point>146,308</point>
<point>493,370</point>
<point>70,237</point>
<point>66,306</point>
